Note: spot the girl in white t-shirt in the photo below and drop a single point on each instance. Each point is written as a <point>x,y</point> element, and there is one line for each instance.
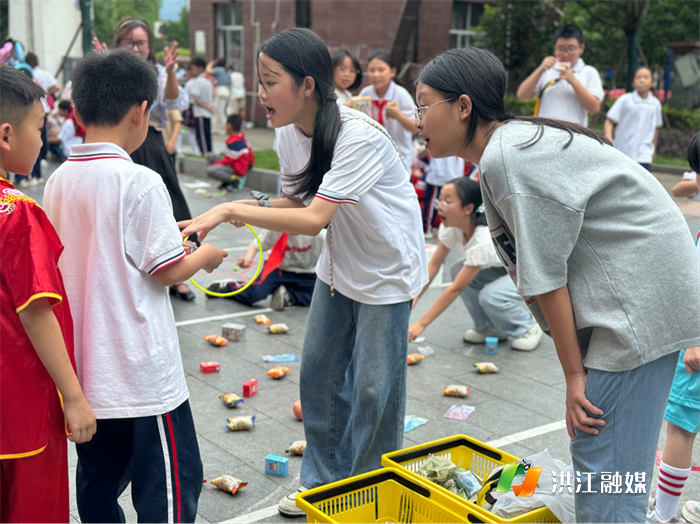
<point>480,279</point>
<point>347,75</point>
<point>340,169</point>
<point>392,106</point>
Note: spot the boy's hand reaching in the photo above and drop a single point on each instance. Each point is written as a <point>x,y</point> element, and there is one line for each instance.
<point>215,257</point>
<point>691,359</point>
<point>244,262</point>
<point>81,420</point>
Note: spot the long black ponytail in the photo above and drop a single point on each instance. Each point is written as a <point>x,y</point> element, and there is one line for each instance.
<point>302,53</point>
<point>478,74</point>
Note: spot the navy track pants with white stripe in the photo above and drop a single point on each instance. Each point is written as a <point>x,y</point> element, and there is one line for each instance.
<point>159,455</point>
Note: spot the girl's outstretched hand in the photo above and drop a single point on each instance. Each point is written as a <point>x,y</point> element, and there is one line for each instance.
<point>98,46</point>
<point>205,222</point>
<point>170,57</point>
<point>577,405</point>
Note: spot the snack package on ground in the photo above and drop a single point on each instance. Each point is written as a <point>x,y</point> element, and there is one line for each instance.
<point>419,340</point>
<point>240,423</point>
<point>216,340</point>
<point>262,319</point>
<point>414,358</point>
<point>296,408</point>
<point>459,412</point>
<point>456,391</point>
<point>412,422</point>
<point>228,484</point>
<point>231,400</point>
<point>233,332</point>
<point>282,357</point>
<point>297,447</point>
<point>508,505</point>
<point>277,329</point>
<point>486,367</point>
<point>278,372</point>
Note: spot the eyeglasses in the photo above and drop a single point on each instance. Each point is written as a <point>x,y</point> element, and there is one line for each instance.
<point>420,109</point>
<point>441,204</point>
<point>130,44</point>
<point>566,49</point>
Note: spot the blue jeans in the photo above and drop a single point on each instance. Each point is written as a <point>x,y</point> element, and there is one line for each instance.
<point>492,300</point>
<point>633,405</point>
<point>353,385</point>
<point>300,287</point>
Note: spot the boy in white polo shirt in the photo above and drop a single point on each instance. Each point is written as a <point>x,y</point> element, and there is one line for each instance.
<point>567,89</point>
<point>123,250</point>
<point>638,119</point>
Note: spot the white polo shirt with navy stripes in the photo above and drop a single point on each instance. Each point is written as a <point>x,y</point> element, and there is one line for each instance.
<point>377,234</point>
<point>116,222</point>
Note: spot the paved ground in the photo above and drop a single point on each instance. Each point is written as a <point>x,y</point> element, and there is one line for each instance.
<point>527,395</point>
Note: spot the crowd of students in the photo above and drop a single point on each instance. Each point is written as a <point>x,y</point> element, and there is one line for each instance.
<point>574,249</point>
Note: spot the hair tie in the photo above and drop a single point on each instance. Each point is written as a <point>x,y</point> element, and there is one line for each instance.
<point>510,116</point>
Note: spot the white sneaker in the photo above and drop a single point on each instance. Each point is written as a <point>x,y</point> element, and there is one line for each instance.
<point>653,518</point>
<point>24,183</point>
<point>691,511</point>
<point>529,340</point>
<point>288,505</point>
<point>280,299</point>
<point>474,337</point>
<point>248,125</point>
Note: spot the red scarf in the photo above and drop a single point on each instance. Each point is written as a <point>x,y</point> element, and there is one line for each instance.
<point>79,130</point>
<point>276,256</point>
<point>379,104</point>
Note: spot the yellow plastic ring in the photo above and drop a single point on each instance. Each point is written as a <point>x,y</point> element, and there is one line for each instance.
<point>257,272</point>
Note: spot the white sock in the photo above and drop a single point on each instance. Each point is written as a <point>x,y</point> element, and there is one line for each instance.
<point>668,491</point>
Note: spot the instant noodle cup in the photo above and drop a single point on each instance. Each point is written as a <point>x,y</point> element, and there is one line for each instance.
<point>228,484</point>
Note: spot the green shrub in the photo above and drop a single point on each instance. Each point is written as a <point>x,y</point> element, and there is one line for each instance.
<point>267,159</point>
<point>184,53</point>
<point>519,107</point>
<point>684,119</point>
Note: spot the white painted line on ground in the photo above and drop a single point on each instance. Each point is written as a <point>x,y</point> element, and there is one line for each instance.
<point>221,317</point>
<point>524,435</point>
<point>237,248</point>
<point>254,516</point>
<point>510,439</point>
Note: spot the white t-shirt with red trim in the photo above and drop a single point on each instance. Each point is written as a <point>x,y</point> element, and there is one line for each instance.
<point>377,241</point>
<point>116,220</point>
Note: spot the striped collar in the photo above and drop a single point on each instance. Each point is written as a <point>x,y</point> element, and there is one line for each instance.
<point>97,151</point>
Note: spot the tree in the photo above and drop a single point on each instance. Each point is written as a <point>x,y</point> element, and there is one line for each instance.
<point>109,12</point>
<point>178,30</point>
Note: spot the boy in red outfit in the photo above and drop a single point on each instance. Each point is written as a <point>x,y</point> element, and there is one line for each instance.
<point>36,354</point>
<point>238,158</point>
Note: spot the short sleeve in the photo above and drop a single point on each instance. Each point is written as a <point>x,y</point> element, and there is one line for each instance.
<point>615,110</point>
<point>152,238</point>
<point>268,238</point>
<point>539,86</point>
<point>175,115</point>
<point>545,233</point>
<point>356,167</point>
<point>29,268</point>
<point>690,175</point>
<point>450,237</point>
<point>593,83</point>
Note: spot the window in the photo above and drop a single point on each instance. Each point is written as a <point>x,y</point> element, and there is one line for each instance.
<point>303,13</point>
<point>229,13</point>
<point>229,33</point>
<point>465,17</point>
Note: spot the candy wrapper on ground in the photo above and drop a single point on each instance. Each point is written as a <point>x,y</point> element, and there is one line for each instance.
<point>297,447</point>
<point>240,423</point>
<point>233,332</point>
<point>426,351</point>
<point>228,484</point>
<point>262,319</point>
<point>282,357</point>
<point>231,400</point>
<point>276,329</point>
<point>486,367</point>
<point>278,372</point>
<point>459,412</point>
<point>456,391</point>
<point>412,422</point>
<point>414,358</point>
<point>216,340</point>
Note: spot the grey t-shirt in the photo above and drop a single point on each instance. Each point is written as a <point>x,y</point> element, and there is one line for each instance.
<point>592,218</point>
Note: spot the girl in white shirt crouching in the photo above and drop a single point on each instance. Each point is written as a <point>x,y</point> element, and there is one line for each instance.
<point>480,279</point>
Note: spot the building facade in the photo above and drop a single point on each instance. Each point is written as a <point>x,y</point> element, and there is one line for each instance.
<point>413,31</point>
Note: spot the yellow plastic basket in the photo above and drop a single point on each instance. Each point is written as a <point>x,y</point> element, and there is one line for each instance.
<point>384,495</point>
<point>468,453</point>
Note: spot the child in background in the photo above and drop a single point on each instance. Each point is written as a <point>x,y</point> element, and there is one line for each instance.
<point>36,354</point>
<point>232,170</point>
<point>289,272</point>
<point>347,75</point>
<point>438,172</point>
<point>638,119</point>
<point>124,249</point>
<point>683,421</point>
<point>71,132</point>
<point>480,279</point>
<point>201,91</point>
<point>392,105</point>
